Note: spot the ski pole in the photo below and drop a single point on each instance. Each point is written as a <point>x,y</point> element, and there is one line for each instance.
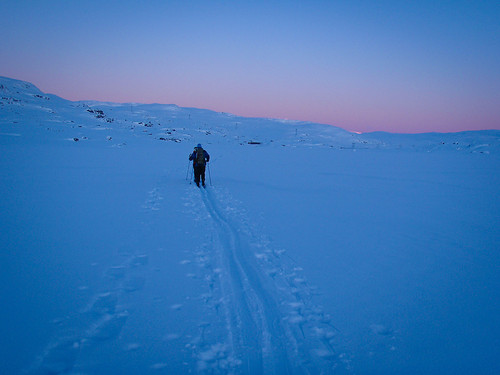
<point>209,174</point>
<point>187,172</point>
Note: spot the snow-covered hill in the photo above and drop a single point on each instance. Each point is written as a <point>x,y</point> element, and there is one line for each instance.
<point>312,250</point>
<point>23,101</point>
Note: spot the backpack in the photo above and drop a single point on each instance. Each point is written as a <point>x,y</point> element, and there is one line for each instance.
<point>200,156</point>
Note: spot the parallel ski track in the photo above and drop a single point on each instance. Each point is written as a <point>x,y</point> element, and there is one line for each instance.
<point>258,337</point>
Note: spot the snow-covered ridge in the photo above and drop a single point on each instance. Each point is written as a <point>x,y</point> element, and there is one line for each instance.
<point>170,122</point>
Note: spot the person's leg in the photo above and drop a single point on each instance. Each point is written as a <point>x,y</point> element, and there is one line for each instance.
<point>202,171</point>
<point>197,175</point>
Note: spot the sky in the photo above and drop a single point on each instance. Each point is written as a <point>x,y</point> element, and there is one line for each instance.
<point>398,66</point>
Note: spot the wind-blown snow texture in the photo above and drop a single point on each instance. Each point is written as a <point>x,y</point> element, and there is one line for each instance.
<point>314,250</point>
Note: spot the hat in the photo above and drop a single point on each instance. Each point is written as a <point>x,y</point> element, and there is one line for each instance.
<point>199,145</point>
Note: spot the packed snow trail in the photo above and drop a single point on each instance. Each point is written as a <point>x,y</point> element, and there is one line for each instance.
<point>257,336</point>
<point>271,326</point>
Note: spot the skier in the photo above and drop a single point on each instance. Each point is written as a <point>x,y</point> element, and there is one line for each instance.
<point>200,158</point>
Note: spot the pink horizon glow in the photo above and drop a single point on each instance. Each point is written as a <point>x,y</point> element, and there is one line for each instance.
<point>405,68</point>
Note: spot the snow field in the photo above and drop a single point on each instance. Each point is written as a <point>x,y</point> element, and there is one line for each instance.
<point>315,251</point>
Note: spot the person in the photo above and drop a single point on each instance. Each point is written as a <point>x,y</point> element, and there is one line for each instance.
<point>200,158</point>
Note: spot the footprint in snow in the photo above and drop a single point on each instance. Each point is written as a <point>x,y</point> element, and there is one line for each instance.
<point>381,330</point>
<point>108,327</point>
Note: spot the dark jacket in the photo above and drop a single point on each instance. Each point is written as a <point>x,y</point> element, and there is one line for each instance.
<point>194,156</point>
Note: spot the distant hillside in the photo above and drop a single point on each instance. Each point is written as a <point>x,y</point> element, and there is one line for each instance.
<point>167,122</point>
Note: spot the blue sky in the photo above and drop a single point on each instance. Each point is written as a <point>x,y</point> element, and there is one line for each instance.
<point>399,66</point>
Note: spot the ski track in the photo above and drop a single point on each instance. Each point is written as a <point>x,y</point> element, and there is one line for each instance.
<point>256,333</point>
<point>255,294</point>
<point>272,325</point>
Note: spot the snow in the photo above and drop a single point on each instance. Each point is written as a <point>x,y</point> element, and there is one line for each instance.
<point>315,251</point>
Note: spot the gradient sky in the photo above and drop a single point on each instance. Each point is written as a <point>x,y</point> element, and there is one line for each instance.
<point>399,66</point>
